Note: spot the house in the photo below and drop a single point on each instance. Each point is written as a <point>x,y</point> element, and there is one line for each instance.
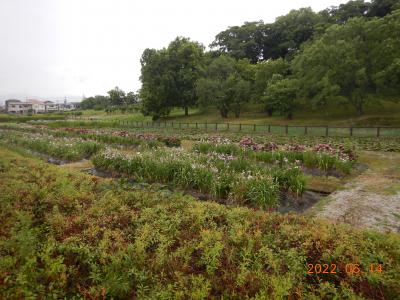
<point>68,106</point>
<point>14,106</point>
<point>76,105</point>
<point>50,106</point>
<point>37,106</point>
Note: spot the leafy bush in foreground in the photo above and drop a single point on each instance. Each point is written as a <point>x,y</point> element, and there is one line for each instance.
<point>70,235</point>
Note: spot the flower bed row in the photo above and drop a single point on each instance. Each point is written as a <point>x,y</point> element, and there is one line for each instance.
<point>103,136</point>
<point>68,149</point>
<point>223,177</point>
<point>322,156</point>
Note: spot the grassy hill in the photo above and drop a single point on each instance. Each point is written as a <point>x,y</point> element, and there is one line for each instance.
<point>384,114</point>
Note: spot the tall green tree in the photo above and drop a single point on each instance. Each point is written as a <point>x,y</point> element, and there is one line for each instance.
<point>131,98</point>
<point>264,71</point>
<point>351,61</point>
<point>344,12</point>
<point>155,76</point>
<point>284,37</point>
<point>117,96</point>
<point>168,77</point>
<point>227,85</point>
<point>381,8</point>
<point>242,41</point>
<point>97,102</point>
<point>185,61</point>
<point>258,41</point>
<point>239,91</point>
<point>213,88</point>
<point>281,95</point>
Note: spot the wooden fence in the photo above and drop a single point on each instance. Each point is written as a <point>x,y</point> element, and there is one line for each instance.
<point>267,128</point>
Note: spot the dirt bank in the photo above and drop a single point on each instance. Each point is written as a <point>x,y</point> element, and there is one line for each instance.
<point>372,199</point>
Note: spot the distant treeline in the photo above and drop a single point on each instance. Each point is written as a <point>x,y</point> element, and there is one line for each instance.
<point>346,55</point>
<point>116,99</point>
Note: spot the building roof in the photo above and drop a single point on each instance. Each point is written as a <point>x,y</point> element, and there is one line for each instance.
<point>34,101</point>
<point>12,100</point>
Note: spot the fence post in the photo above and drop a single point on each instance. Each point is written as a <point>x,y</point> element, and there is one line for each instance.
<point>206,125</point>
<point>351,131</point>
<point>305,130</point>
<point>254,127</point>
<point>378,131</point>
<point>287,129</point>
<point>227,126</point>
<point>269,128</point>
<point>172,124</point>
<point>180,125</point>
<point>326,130</point>
<point>216,126</point>
<point>196,125</point>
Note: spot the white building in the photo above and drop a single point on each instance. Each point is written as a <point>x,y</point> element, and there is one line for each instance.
<point>37,106</point>
<point>14,106</point>
<point>50,106</point>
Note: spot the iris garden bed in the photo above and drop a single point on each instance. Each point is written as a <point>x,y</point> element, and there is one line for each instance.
<point>68,149</point>
<point>234,179</point>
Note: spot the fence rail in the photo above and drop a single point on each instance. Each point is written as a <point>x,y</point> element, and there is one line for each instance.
<point>379,131</point>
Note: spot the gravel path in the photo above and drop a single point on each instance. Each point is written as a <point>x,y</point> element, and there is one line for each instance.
<point>372,199</point>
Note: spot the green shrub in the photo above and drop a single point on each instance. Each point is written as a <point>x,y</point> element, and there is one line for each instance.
<point>67,235</point>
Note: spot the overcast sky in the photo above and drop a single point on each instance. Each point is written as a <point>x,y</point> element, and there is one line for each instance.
<point>55,48</point>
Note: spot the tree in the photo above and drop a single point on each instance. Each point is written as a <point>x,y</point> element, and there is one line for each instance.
<point>168,77</point>
<point>227,85</point>
<point>282,39</point>
<point>258,41</point>
<point>117,96</point>
<point>241,41</point>
<point>384,60</point>
<point>336,64</point>
<point>185,59</point>
<point>96,102</point>
<point>212,90</point>
<point>351,61</point>
<point>155,77</point>
<point>381,8</point>
<point>264,71</point>
<point>281,94</point>
<point>131,98</point>
<point>346,11</point>
<point>240,91</point>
